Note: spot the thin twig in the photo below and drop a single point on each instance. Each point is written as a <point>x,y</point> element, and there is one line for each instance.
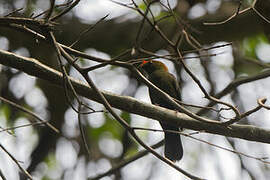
<point>231,17</point>
<point>122,122</point>
<point>33,67</point>
<point>197,81</point>
<point>240,12</point>
<point>261,159</point>
<point>82,131</point>
<point>11,13</point>
<point>2,175</point>
<point>16,162</point>
<point>50,10</point>
<point>229,88</point>
<point>30,113</point>
<point>56,6</point>
<point>261,103</point>
<point>157,29</point>
<point>25,125</point>
<point>234,84</point>
<point>247,113</point>
<point>26,21</point>
<point>177,51</point>
<point>83,33</point>
<point>127,161</point>
<point>259,14</point>
<point>65,10</point>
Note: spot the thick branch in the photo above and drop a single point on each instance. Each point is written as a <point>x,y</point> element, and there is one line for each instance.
<point>35,68</point>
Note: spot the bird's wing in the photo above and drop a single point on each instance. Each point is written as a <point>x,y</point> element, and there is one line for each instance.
<point>176,88</point>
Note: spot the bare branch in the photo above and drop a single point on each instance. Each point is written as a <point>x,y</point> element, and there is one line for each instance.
<point>235,83</point>
<point>261,103</point>
<point>240,12</point>
<point>21,126</point>
<point>83,33</point>
<point>82,130</point>
<point>2,175</point>
<point>25,21</point>
<point>16,162</point>
<point>65,10</point>
<point>261,159</point>
<point>50,10</point>
<point>11,13</point>
<point>127,161</point>
<point>121,121</point>
<point>30,113</point>
<point>35,68</point>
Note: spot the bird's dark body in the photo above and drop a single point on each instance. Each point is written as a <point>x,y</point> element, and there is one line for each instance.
<point>167,83</point>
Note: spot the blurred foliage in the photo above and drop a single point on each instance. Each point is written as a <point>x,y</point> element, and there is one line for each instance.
<point>250,44</point>
<point>248,49</point>
<point>110,125</point>
<point>5,111</point>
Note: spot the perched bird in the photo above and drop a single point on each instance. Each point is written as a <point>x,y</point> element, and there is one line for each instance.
<point>159,75</point>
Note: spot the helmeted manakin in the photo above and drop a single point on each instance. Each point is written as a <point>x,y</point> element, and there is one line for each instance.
<point>159,75</point>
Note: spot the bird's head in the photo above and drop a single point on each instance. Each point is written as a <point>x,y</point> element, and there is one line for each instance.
<point>151,65</point>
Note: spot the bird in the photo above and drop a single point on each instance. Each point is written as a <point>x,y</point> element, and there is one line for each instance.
<point>158,74</point>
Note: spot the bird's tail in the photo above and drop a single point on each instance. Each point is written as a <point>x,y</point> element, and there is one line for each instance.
<point>173,145</point>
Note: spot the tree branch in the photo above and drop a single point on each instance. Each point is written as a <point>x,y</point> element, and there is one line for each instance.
<point>35,68</point>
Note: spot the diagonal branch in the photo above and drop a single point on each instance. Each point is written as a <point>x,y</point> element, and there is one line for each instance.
<point>103,100</point>
<point>35,68</point>
<point>21,108</point>
<point>16,161</point>
<point>127,161</point>
<point>235,83</point>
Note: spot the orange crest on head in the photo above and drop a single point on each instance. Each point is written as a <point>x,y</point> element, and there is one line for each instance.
<point>145,62</point>
<point>163,66</point>
<point>154,64</point>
